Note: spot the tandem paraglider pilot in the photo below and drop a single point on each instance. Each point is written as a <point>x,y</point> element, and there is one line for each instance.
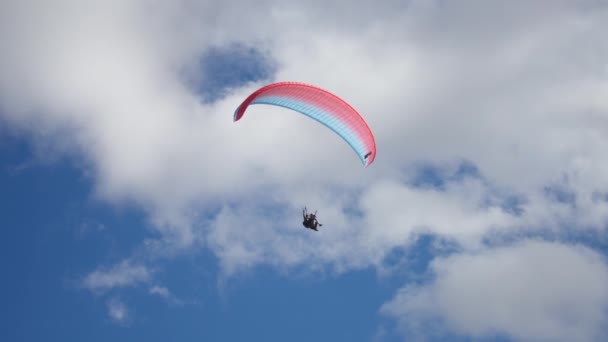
<point>310,220</point>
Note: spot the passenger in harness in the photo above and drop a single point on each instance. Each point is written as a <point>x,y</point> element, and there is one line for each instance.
<point>310,220</point>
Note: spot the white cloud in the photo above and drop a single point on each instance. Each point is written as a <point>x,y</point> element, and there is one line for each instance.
<point>161,291</point>
<point>519,89</point>
<point>532,291</point>
<point>516,92</point>
<point>123,274</point>
<point>166,295</point>
<point>117,310</point>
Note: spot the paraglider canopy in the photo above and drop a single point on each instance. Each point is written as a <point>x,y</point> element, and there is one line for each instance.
<point>322,106</point>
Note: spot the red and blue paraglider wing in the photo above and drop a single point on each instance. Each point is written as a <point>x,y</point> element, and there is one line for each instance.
<point>320,105</point>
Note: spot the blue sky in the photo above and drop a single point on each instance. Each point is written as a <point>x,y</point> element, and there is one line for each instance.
<point>134,208</point>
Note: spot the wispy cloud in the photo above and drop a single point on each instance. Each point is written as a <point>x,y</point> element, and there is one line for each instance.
<point>166,295</point>
<point>89,227</point>
<point>117,311</point>
<point>163,292</point>
<point>122,274</point>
